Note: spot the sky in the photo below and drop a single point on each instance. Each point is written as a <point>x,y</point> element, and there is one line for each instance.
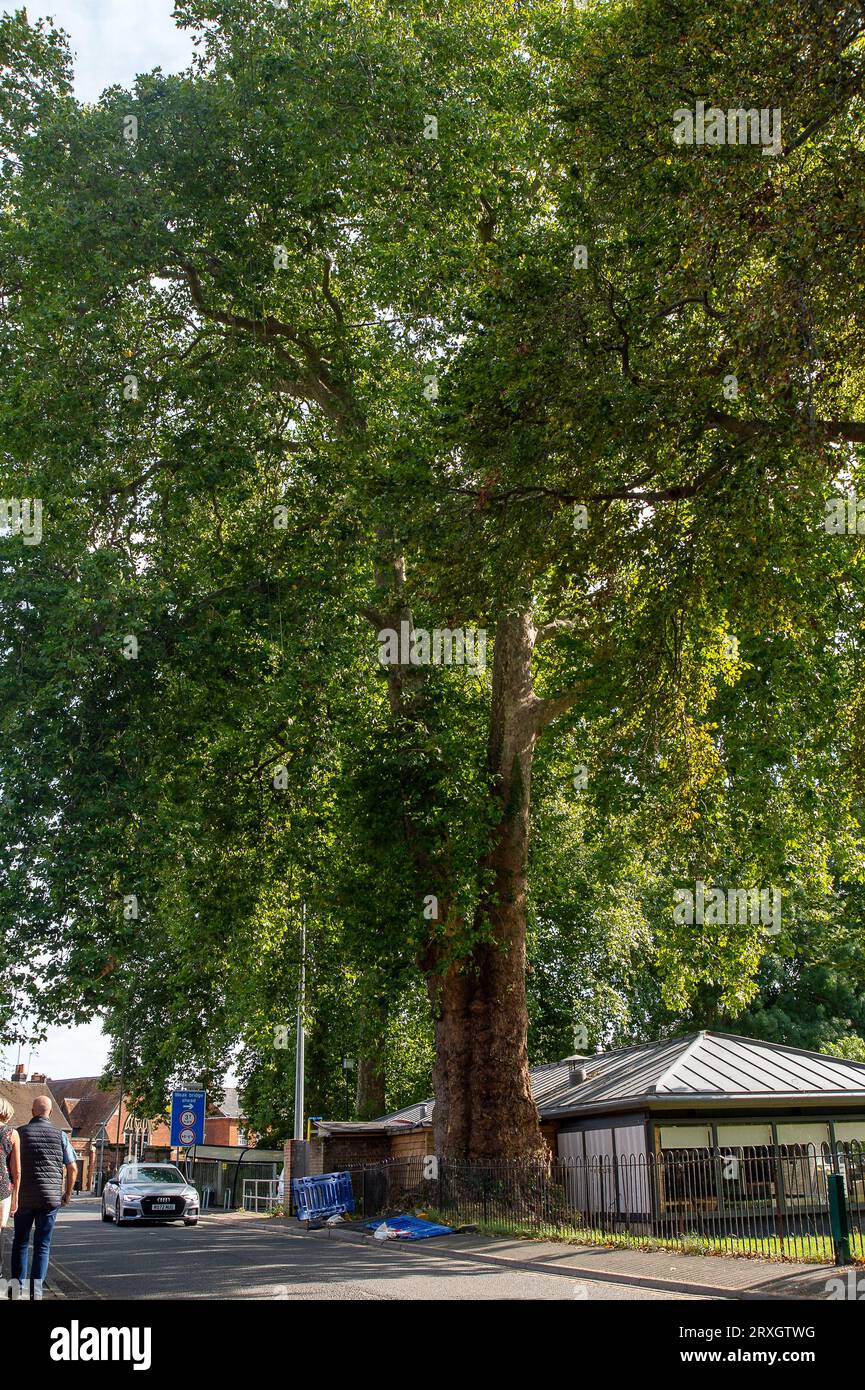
<point>111,41</point>
<point>65,1052</point>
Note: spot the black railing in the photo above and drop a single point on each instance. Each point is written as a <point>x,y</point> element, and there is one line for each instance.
<point>762,1201</point>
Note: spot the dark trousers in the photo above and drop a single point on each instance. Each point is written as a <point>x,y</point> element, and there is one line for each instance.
<point>25,1219</point>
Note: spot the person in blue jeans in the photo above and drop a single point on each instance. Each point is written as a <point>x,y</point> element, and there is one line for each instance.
<point>48,1173</point>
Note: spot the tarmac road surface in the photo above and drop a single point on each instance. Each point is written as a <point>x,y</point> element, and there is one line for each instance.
<point>240,1256</point>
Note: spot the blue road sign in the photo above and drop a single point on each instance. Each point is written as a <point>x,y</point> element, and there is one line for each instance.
<point>187,1118</point>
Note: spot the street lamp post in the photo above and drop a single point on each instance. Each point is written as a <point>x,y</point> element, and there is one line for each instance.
<point>299,1054</point>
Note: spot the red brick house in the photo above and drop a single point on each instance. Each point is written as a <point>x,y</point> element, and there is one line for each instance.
<point>224,1124</point>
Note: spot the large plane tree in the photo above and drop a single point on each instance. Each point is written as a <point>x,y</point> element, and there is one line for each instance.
<point>426,318</point>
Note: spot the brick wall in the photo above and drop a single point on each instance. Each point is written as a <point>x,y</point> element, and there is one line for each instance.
<point>353,1150</point>
<point>219,1129</point>
<point>302,1158</point>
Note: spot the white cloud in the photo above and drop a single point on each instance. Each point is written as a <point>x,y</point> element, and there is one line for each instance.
<point>113,40</point>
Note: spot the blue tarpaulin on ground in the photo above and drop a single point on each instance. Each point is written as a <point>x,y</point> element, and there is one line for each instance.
<point>411,1227</point>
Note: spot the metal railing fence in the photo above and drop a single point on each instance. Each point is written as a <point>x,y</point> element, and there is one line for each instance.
<point>261,1194</point>
<point>762,1201</point>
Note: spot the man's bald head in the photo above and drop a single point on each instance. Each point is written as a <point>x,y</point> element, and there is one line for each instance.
<point>41,1107</point>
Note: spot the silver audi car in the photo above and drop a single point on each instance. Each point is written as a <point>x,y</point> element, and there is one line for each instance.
<point>150,1192</point>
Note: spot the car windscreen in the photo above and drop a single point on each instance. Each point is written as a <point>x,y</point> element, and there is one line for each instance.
<point>154,1175</point>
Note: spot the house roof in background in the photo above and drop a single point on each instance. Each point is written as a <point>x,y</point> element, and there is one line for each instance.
<point>86,1105</point>
<point>228,1107</point>
<point>703,1066</point>
<point>22,1095</point>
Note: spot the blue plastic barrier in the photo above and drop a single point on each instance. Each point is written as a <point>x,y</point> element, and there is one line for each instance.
<point>325,1194</point>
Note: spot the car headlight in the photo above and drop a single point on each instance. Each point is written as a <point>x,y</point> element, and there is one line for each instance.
<point>130,1201</point>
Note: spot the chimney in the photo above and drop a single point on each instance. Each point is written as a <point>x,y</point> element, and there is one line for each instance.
<point>20,1073</point>
<point>577,1068</point>
<point>39,1077</point>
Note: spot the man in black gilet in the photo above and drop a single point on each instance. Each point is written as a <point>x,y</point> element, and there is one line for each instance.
<point>48,1173</point>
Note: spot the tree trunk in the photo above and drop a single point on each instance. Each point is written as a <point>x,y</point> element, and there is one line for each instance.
<point>483,1100</point>
<point>484,1107</point>
<point>370,1087</point>
<point>371,1070</point>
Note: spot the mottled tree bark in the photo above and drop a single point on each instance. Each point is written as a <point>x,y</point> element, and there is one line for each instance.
<point>484,1106</point>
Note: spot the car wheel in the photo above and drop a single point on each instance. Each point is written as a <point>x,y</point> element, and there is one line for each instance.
<point>118,1220</point>
<point>192,1222</point>
<point>105,1216</point>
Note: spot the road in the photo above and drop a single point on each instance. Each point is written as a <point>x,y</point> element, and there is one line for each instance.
<point>238,1256</point>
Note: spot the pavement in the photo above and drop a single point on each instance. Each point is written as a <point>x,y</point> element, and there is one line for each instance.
<point>705,1276</point>
<point>240,1255</point>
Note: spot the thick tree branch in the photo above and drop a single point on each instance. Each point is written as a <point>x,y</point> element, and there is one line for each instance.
<point>328,292</point>
<point>554,629</point>
<point>744,430</point>
<point>310,379</point>
<point>851,430</point>
<point>378,620</point>
<point>548,710</point>
<point>675,492</point>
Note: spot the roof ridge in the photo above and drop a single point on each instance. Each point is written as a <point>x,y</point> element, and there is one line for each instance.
<point>651,1042</point>
<point>95,1080</point>
<point>632,1047</point>
<point>784,1047</point>
<point>693,1041</point>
